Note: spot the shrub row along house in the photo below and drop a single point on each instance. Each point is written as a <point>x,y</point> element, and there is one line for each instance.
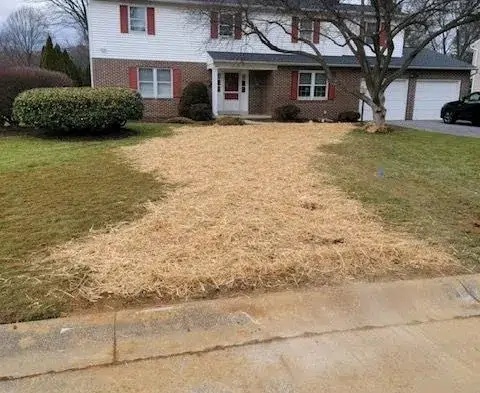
<point>158,47</point>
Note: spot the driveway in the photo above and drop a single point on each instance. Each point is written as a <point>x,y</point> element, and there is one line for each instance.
<point>459,129</point>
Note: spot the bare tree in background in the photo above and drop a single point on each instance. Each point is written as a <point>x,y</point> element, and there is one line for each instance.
<point>72,13</point>
<point>456,42</point>
<point>22,36</point>
<point>368,31</point>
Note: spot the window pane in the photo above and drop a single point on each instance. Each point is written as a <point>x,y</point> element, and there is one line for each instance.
<point>163,75</point>
<point>164,90</point>
<point>320,79</point>
<point>146,89</point>
<point>145,74</point>
<point>137,12</point>
<point>306,29</point>
<point>226,24</point>
<point>137,25</point>
<point>304,91</point>
<point>305,78</point>
<point>320,91</point>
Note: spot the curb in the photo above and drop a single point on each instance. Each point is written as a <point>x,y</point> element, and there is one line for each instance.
<point>57,345</point>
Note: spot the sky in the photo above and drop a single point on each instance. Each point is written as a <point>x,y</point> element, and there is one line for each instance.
<point>63,36</point>
<point>7,6</point>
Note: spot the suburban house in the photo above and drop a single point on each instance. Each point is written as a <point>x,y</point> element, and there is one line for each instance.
<point>158,46</point>
<point>476,65</point>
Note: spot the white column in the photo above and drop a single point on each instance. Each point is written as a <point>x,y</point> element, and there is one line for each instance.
<point>215,91</point>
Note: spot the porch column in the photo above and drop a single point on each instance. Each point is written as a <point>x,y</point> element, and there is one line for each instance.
<point>215,91</point>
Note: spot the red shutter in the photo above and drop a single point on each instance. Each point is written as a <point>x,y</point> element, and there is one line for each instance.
<point>383,36</point>
<point>294,29</point>
<point>124,19</point>
<point>294,86</point>
<point>316,31</point>
<point>151,21</point>
<point>331,91</point>
<point>133,78</point>
<point>238,26</point>
<point>214,25</point>
<point>177,83</point>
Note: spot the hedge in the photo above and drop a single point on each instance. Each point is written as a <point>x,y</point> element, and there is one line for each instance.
<point>17,79</point>
<point>78,108</point>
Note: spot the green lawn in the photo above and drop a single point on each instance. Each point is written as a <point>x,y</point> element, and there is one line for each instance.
<point>425,183</point>
<point>52,191</point>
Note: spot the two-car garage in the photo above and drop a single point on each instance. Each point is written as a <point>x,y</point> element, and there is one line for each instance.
<point>429,97</point>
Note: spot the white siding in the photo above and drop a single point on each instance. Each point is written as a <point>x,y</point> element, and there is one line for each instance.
<point>180,36</point>
<point>476,64</point>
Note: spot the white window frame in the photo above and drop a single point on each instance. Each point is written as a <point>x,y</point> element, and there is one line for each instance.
<point>302,33</point>
<point>144,20</point>
<point>232,35</point>
<point>312,85</point>
<point>155,82</point>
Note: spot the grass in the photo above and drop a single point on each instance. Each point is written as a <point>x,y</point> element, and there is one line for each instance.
<point>53,191</point>
<point>420,182</point>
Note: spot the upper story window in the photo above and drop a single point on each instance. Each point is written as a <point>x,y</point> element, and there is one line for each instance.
<point>155,82</point>
<point>226,25</point>
<point>312,86</point>
<point>138,19</point>
<point>306,29</point>
<point>370,32</point>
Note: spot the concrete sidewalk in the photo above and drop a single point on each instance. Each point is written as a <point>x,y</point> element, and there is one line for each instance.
<point>413,336</point>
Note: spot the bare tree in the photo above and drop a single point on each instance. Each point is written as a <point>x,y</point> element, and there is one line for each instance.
<point>72,13</point>
<point>23,35</point>
<point>456,42</point>
<point>369,31</point>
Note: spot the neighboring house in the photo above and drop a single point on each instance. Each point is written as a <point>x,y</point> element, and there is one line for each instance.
<point>158,47</point>
<point>476,65</point>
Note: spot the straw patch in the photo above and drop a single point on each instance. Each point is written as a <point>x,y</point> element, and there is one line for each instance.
<point>249,210</point>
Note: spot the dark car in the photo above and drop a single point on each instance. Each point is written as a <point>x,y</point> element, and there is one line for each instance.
<point>466,109</point>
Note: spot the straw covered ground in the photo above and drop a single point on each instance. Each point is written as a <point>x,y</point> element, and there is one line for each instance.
<point>248,209</point>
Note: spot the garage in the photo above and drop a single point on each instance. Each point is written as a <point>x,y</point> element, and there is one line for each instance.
<point>395,101</point>
<point>431,95</point>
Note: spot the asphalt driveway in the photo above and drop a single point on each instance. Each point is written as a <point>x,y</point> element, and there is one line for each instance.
<point>460,129</point>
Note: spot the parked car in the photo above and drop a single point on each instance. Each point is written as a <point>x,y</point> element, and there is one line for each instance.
<point>467,108</point>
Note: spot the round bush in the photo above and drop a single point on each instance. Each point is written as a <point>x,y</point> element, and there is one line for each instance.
<point>17,79</point>
<point>195,93</point>
<point>78,108</point>
<point>287,113</point>
<point>200,112</point>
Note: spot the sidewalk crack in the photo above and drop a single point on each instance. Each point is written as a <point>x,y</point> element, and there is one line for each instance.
<point>472,294</point>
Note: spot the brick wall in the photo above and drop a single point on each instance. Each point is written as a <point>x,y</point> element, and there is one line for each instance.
<point>273,88</point>
<point>313,109</point>
<point>113,72</point>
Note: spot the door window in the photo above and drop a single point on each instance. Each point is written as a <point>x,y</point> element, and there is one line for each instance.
<point>231,85</point>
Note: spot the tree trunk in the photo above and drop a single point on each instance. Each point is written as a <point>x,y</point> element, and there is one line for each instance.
<point>379,112</point>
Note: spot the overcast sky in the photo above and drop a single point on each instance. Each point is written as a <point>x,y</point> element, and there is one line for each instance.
<point>7,6</point>
<point>63,36</point>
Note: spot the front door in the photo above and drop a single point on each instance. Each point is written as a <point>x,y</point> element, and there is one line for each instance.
<point>232,92</point>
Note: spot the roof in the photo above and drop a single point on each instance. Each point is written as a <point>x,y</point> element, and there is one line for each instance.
<point>426,59</point>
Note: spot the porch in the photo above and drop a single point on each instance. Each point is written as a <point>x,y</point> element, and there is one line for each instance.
<point>243,90</point>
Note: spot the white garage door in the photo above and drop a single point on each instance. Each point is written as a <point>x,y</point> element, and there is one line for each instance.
<point>431,95</point>
<point>395,102</point>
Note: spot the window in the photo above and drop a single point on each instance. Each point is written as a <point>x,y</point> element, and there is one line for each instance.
<point>370,32</point>
<point>138,19</point>
<point>226,25</point>
<point>473,98</point>
<point>155,83</point>
<point>306,29</point>
<point>312,86</point>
